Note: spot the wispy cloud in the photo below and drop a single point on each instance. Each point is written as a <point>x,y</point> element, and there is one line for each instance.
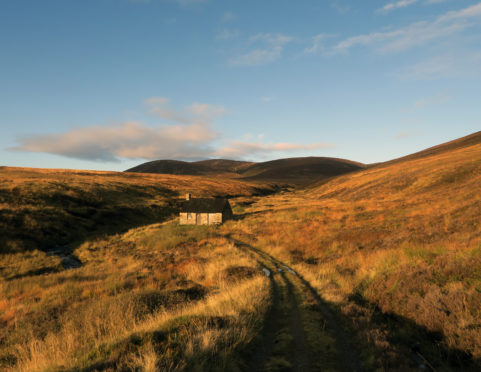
<point>192,137</point>
<point>416,34</point>
<point>196,112</point>
<point>240,150</point>
<point>396,5</point>
<point>341,8</point>
<point>318,44</point>
<point>270,49</point>
<point>437,99</point>
<point>450,65</point>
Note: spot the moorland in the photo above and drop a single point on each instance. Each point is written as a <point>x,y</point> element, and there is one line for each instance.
<point>368,267</point>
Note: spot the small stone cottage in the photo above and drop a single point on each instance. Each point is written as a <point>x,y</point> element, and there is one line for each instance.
<point>204,211</point>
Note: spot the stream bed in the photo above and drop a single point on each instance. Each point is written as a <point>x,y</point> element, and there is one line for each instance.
<point>69,261</point>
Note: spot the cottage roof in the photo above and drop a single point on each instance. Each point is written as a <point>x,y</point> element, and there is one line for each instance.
<point>204,205</point>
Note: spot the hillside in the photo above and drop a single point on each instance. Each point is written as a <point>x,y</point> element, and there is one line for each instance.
<point>170,167</point>
<point>43,208</point>
<point>300,170</point>
<point>396,247</point>
<point>204,167</point>
<point>373,270</point>
<point>291,170</point>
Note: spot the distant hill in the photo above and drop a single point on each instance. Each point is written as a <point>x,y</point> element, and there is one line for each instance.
<point>196,168</point>
<point>170,167</point>
<point>224,165</point>
<point>291,170</point>
<point>300,170</point>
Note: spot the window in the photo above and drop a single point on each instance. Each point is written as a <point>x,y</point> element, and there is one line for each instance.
<point>189,216</point>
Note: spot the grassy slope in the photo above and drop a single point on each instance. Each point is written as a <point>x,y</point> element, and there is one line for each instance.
<point>162,297</point>
<point>41,208</point>
<point>402,239</point>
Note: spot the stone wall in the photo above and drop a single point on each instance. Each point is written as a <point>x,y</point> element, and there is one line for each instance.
<point>200,218</point>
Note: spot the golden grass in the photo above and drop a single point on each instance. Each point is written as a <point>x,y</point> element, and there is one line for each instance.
<point>404,237</point>
<point>158,297</point>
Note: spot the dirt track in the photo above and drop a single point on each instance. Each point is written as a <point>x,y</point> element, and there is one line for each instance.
<point>300,332</point>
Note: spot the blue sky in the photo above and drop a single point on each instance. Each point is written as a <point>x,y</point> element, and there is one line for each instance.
<point>108,84</point>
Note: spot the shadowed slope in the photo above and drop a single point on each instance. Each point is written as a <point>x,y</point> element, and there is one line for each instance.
<point>170,167</point>
<point>41,208</point>
<point>300,170</point>
<point>292,170</point>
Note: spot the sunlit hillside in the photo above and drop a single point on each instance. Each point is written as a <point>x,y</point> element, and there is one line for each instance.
<point>396,247</point>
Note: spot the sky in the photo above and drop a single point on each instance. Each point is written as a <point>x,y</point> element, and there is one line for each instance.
<point>110,84</point>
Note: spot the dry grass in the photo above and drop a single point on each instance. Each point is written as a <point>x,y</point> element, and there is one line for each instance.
<point>41,207</point>
<point>404,238</point>
<point>158,297</point>
<point>396,249</point>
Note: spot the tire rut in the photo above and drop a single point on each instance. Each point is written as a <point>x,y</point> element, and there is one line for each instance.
<point>347,355</point>
<point>301,348</point>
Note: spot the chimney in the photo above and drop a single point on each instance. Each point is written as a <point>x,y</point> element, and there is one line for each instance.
<point>188,196</point>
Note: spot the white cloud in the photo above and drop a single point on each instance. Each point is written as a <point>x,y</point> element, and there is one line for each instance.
<point>130,140</point>
<point>271,50</point>
<point>133,140</point>
<point>191,138</point>
<point>416,34</point>
<point>240,149</point>
<point>396,5</point>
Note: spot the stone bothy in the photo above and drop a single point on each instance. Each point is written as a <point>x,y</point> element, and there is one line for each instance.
<point>204,211</point>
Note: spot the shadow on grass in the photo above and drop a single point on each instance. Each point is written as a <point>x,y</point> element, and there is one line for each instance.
<point>409,346</point>
<point>65,230</point>
<point>369,339</point>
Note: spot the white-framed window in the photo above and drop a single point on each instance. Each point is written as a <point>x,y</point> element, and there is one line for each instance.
<point>189,216</point>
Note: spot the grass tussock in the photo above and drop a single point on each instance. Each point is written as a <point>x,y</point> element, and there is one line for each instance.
<point>154,298</point>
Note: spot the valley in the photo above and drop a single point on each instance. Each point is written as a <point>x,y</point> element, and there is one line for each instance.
<point>373,268</point>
